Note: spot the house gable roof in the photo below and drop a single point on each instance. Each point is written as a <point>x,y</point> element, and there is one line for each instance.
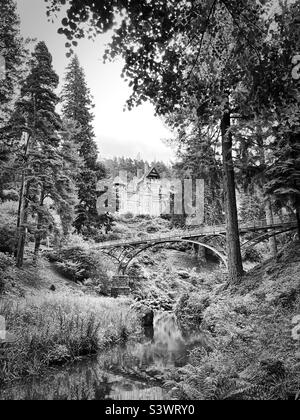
<point>153,174</point>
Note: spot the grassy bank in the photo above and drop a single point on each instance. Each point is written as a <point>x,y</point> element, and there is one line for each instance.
<point>251,354</point>
<point>54,330</point>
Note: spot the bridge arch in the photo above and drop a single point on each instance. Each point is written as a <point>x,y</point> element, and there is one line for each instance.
<point>124,252</point>
<point>124,266</point>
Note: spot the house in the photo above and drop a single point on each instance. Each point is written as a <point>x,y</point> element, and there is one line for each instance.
<point>144,195</point>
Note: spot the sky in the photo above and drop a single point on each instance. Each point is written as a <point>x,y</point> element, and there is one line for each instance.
<point>118,133</point>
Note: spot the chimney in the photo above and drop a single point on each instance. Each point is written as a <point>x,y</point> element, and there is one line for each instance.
<point>147,168</point>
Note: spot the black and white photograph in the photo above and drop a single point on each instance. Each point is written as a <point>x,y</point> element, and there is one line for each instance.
<point>149,203</point>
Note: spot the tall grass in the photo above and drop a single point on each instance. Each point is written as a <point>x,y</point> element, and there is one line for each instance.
<point>55,330</point>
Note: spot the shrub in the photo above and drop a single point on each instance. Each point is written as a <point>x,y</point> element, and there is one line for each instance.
<point>71,270</point>
<point>135,270</point>
<point>101,237</point>
<point>10,195</point>
<point>8,222</point>
<point>6,265</point>
<point>121,229</point>
<point>112,236</point>
<point>190,309</point>
<point>8,239</point>
<point>252,255</point>
<point>76,241</point>
<point>80,264</point>
<point>8,214</point>
<point>2,284</point>
<point>128,216</point>
<point>6,262</point>
<point>152,229</point>
<point>143,217</point>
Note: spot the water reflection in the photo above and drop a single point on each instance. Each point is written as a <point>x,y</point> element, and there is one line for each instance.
<point>84,382</point>
<point>131,372</point>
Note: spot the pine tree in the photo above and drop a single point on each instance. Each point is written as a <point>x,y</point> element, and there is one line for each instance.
<point>77,106</point>
<point>71,165</point>
<point>11,52</point>
<point>37,106</point>
<point>40,156</point>
<point>198,160</point>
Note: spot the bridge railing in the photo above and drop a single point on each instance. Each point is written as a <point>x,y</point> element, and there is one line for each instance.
<point>203,230</point>
<point>277,221</point>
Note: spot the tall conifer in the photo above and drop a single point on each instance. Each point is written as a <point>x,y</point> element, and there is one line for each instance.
<point>34,130</point>
<point>78,106</point>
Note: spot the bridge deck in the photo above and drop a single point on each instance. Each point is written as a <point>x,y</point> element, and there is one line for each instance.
<point>202,232</point>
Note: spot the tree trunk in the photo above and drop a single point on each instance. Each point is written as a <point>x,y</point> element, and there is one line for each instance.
<point>38,236</point>
<point>22,232</point>
<point>268,206</point>
<point>22,196</point>
<point>235,263</point>
<point>21,247</point>
<point>37,246</point>
<point>19,218</point>
<point>270,221</point>
<point>200,253</point>
<point>298,214</point>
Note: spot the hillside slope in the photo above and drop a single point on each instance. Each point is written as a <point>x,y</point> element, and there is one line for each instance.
<point>251,353</point>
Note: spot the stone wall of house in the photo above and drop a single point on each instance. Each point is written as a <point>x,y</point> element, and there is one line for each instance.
<point>147,198</point>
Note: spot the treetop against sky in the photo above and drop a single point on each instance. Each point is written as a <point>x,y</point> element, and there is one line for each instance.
<point>118,132</point>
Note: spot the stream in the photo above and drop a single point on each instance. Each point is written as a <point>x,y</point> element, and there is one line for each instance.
<point>134,371</point>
